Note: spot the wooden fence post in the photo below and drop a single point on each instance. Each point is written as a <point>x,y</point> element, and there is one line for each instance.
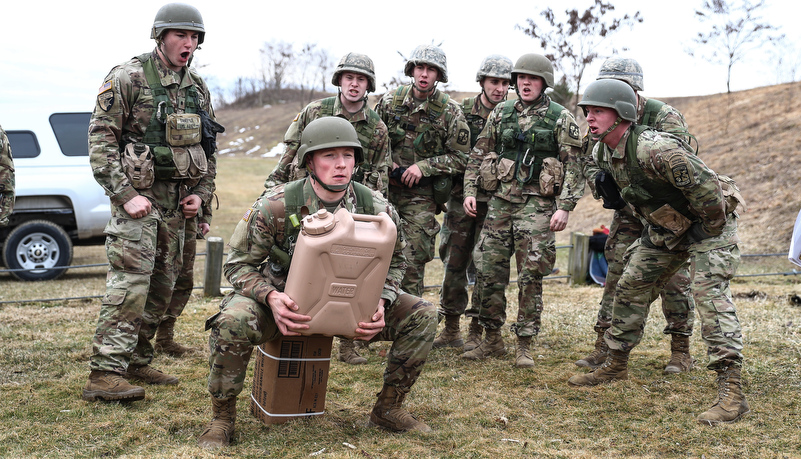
<point>214,263</point>
<point>579,258</point>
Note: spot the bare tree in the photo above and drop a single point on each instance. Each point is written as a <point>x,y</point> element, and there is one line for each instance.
<point>736,30</point>
<point>324,64</point>
<point>574,42</point>
<point>276,62</point>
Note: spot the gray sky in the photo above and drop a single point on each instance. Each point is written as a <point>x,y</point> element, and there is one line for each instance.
<point>55,55</point>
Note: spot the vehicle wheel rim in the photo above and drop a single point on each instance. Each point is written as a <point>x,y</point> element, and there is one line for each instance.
<point>38,251</point>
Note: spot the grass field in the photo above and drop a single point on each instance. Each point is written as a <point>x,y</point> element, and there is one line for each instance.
<point>477,409</point>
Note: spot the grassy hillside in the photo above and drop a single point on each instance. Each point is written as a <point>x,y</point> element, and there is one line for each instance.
<point>752,136</point>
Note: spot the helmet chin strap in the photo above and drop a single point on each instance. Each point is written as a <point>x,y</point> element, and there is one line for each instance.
<point>331,188</point>
<point>610,129</point>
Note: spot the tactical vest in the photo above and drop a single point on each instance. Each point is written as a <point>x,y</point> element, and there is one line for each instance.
<point>155,135</point>
<point>424,144</point>
<point>528,149</point>
<point>365,132</point>
<point>291,212</point>
<point>645,194</point>
<point>474,122</point>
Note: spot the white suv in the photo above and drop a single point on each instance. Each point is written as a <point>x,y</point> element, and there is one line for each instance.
<point>58,202</point>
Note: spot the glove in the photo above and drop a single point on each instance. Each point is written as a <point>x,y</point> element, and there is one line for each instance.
<point>607,188</point>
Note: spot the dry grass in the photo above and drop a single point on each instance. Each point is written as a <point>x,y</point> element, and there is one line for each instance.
<point>478,409</point>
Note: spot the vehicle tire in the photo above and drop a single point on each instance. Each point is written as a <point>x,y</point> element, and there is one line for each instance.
<point>38,246</point>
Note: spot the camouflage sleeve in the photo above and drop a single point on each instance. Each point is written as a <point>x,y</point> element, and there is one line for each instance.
<point>696,181</point>
<point>397,266</point>
<point>456,143</point>
<point>282,171</point>
<point>379,159</point>
<point>485,143</point>
<point>588,166</point>
<point>569,139</point>
<point>6,179</point>
<point>249,247</point>
<point>112,109</point>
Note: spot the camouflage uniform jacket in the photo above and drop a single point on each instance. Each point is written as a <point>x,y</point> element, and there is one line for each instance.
<point>442,139</point>
<point>476,118</point>
<point>568,140</point>
<point>666,162</point>
<point>377,161</point>
<point>257,232</point>
<point>6,179</point>
<point>122,114</point>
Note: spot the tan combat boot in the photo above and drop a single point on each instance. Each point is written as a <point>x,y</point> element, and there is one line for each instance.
<point>348,353</point>
<point>221,428</point>
<point>389,414</point>
<point>492,346</point>
<point>598,356</point>
<point>680,358</point>
<point>450,336</point>
<point>474,332</point>
<point>730,405</point>
<point>150,375</point>
<point>109,386</point>
<point>614,368</point>
<point>165,342</point>
<point>523,354</point>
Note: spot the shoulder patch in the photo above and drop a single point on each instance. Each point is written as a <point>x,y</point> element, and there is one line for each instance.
<point>681,170</point>
<point>573,131</point>
<point>105,87</point>
<point>296,117</point>
<point>463,137</point>
<point>247,215</point>
<point>105,96</point>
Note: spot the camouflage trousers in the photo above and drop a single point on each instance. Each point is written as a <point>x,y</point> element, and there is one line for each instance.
<point>145,257</point>
<point>456,242</point>
<point>522,230</point>
<point>242,324</point>
<point>186,278</point>
<point>420,227</point>
<point>645,275</point>
<point>678,306</point>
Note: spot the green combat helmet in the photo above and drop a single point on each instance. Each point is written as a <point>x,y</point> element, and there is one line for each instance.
<point>431,55</point>
<point>495,66</point>
<point>614,94</point>
<point>178,16</point>
<point>356,63</point>
<point>623,69</point>
<point>329,132</point>
<point>534,64</point>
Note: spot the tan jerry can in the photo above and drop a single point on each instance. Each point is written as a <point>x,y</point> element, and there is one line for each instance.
<point>338,269</point>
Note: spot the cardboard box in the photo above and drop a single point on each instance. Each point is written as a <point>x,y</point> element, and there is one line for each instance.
<point>290,378</point>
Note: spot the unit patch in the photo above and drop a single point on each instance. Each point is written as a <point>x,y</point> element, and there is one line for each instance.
<point>463,137</point>
<point>105,96</point>
<point>681,170</point>
<point>573,131</point>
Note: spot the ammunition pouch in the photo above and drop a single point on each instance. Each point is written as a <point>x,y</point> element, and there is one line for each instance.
<point>731,194</point>
<point>178,163</point>
<point>487,179</point>
<point>183,129</point>
<point>668,218</point>
<point>552,176</point>
<point>138,165</point>
<point>506,169</point>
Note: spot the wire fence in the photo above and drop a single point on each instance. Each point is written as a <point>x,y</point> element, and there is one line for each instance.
<point>554,276</point>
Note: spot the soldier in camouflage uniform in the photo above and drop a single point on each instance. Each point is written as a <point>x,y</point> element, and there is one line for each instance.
<point>689,212</point>
<point>355,78</point>
<point>677,301</point>
<point>430,141</point>
<point>195,228</point>
<point>356,74</point>
<point>6,179</point>
<point>146,152</point>
<point>258,311</point>
<point>529,148</point>
<point>460,230</point>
